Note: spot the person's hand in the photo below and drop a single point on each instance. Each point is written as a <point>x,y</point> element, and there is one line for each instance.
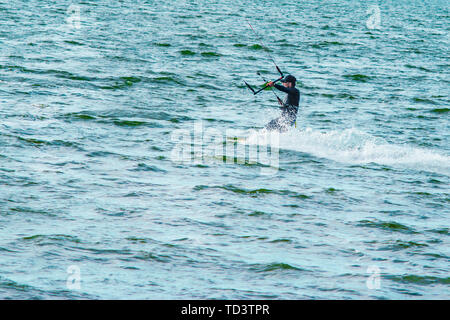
<point>270,84</point>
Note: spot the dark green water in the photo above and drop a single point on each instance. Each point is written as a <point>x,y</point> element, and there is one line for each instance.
<point>356,209</point>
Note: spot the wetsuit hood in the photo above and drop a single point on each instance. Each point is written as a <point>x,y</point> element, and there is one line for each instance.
<point>289,78</point>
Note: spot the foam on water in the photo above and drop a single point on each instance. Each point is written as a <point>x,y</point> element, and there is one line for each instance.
<point>354,147</point>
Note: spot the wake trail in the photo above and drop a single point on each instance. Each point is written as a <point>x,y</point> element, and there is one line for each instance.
<point>353,146</point>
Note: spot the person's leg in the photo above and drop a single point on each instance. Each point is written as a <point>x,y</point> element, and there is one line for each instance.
<point>286,123</point>
<point>274,124</point>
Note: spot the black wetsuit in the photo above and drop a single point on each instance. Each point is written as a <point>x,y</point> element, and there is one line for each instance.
<point>288,110</point>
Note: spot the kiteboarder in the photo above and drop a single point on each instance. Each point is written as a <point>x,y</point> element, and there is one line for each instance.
<point>289,107</point>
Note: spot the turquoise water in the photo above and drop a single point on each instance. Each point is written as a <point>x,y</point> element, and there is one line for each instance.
<point>357,204</point>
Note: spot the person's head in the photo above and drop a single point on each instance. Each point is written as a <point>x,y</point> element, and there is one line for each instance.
<point>289,81</point>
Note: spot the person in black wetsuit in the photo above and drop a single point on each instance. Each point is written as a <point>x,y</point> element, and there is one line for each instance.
<point>290,105</point>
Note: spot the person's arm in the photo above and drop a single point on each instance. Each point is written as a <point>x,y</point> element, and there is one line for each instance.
<point>283,88</point>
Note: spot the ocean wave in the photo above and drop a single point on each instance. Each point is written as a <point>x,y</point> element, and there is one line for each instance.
<point>356,147</point>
